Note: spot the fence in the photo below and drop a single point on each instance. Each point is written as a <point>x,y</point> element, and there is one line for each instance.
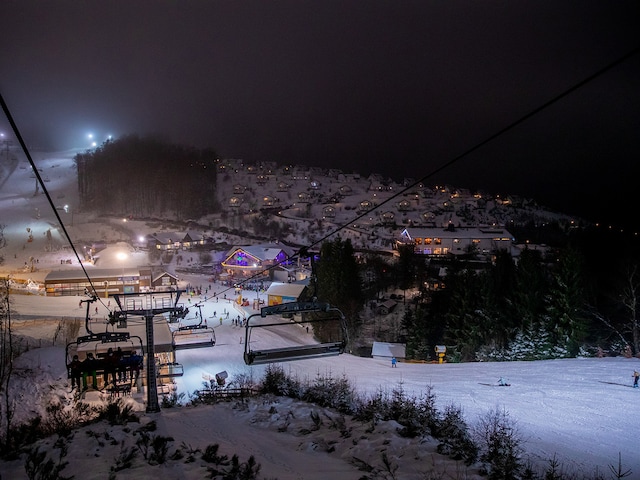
<point>225,394</point>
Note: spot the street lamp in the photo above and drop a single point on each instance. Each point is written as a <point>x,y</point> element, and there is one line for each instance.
<point>122,257</point>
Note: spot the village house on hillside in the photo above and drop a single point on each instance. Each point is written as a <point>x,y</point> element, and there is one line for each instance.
<point>456,241</point>
<point>175,240</point>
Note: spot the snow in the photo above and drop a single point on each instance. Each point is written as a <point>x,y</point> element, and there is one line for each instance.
<point>582,411</point>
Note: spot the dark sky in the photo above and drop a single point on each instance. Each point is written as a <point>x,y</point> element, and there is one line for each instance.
<point>393,87</point>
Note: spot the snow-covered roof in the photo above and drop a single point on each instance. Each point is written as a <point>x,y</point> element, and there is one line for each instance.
<point>264,252</point>
<point>164,274</point>
<point>286,289</point>
<point>475,232</point>
<point>78,274</point>
<point>384,349</point>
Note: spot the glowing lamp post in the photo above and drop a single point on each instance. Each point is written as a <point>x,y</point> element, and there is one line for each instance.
<point>122,257</point>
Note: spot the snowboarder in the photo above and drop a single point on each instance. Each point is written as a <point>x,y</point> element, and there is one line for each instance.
<point>636,376</point>
<point>503,383</point>
<point>394,362</point>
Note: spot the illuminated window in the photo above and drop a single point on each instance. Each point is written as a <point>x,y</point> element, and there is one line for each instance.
<point>418,241</point>
<point>437,241</point>
<point>427,241</point>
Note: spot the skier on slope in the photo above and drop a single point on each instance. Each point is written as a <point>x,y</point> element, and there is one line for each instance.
<point>636,376</point>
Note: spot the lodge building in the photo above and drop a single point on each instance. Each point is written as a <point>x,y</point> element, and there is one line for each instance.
<point>107,281</point>
<point>456,241</point>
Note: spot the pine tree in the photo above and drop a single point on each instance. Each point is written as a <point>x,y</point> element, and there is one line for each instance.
<point>566,301</point>
<point>337,282</point>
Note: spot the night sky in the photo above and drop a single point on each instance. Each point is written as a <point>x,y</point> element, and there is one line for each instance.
<point>392,87</point>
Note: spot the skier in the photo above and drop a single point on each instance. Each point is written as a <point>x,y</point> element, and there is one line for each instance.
<point>393,362</point>
<point>503,383</point>
<point>636,376</point>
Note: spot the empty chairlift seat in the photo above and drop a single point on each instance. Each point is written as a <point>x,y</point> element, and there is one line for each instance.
<point>193,336</point>
<point>324,314</point>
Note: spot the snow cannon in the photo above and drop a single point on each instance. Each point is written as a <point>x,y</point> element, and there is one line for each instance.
<point>440,351</point>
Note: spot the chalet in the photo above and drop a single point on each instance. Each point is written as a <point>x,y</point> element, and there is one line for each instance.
<point>283,187</point>
<point>345,190</point>
<point>388,217</point>
<point>456,241</point>
<point>164,281</point>
<point>269,201</point>
<point>365,206</point>
<point>329,211</point>
<point>192,238</point>
<point>247,261</point>
<point>262,179</point>
<point>235,202</point>
<point>239,189</point>
<point>428,216</point>
<point>386,307</point>
<point>304,197</point>
<point>175,240</point>
<point>164,240</point>
<point>404,205</point>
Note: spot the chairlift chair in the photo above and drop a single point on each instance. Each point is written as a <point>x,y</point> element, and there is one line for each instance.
<point>197,335</point>
<point>295,352</point>
<point>193,336</point>
<point>99,343</point>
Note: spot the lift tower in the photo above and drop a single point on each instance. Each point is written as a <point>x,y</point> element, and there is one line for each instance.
<point>149,305</point>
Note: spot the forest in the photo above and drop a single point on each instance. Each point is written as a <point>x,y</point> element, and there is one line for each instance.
<point>568,302</point>
<point>146,177</point>
<point>580,295</point>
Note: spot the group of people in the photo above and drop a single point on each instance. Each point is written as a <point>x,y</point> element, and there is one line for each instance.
<point>115,365</point>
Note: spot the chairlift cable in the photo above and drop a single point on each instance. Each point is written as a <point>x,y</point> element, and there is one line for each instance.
<point>438,169</point>
<point>16,132</point>
<point>459,157</point>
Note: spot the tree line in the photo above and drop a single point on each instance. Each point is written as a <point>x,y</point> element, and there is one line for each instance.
<point>146,177</point>
<point>580,296</point>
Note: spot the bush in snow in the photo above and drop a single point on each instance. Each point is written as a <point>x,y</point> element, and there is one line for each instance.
<point>500,446</point>
<point>455,437</point>
<point>277,382</point>
<point>327,391</point>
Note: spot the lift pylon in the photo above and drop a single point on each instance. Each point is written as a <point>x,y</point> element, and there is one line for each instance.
<point>148,305</point>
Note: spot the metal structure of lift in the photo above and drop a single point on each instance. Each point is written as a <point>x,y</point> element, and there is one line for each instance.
<point>148,305</point>
<point>194,336</point>
<point>97,337</point>
<point>295,352</point>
